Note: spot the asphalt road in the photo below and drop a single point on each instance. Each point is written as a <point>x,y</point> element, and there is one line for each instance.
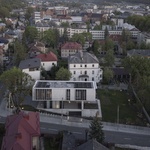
<point>110,136</point>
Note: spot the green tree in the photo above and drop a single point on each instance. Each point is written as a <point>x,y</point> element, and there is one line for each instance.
<point>31,33</point>
<point>65,24</point>
<point>95,47</point>
<point>96,131</point>
<point>78,38</point>
<point>108,44</point>
<point>29,12</point>
<point>109,58</point>
<point>97,27</point>
<point>87,36</point>
<point>107,75</point>
<point>106,33</point>
<point>138,67</point>
<point>18,83</point>
<point>63,74</point>
<point>4,12</point>
<point>19,53</point>
<point>51,37</point>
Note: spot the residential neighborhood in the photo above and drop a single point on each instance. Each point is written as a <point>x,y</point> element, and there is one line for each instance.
<point>74,75</point>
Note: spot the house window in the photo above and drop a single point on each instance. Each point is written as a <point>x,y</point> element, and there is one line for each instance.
<point>80,95</point>
<point>92,71</point>
<point>68,94</point>
<point>85,72</point>
<point>93,65</point>
<point>80,65</point>
<point>80,72</point>
<point>53,64</point>
<point>85,65</point>
<point>92,78</point>
<point>74,72</point>
<point>74,65</point>
<point>43,94</point>
<point>43,64</point>
<point>31,69</point>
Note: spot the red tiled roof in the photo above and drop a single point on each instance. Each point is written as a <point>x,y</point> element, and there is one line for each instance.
<point>115,37</point>
<point>47,57</point>
<point>71,45</point>
<point>20,129</point>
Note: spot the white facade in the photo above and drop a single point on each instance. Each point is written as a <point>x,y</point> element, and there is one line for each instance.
<point>34,73</point>
<point>86,72</point>
<point>75,97</point>
<point>84,66</point>
<point>47,65</point>
<point>37,16</point>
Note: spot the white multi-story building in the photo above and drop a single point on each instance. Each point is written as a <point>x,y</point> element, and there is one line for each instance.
<point>37,16</point>
<point>77,98</point>
<point>84,66</point>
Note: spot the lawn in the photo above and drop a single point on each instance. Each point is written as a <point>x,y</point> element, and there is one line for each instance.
<point>116,102</point>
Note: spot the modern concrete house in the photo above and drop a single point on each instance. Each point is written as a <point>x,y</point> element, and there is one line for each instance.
<point>71,98</point>
<point>84,66</point>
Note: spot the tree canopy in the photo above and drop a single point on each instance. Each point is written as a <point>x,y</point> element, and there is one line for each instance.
<point>63,74</point>
<point>139,69</point>
<point>96,131</point>
<point>51,37</point>
<point>140,22</point>
<point>18,83</point>
<point>19,53</point>
<point>30,34</point>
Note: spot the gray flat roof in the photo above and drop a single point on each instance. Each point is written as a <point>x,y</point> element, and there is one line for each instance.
<point>63,84</point>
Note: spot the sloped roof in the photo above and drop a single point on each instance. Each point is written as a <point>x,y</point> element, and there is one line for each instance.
<point>3,40</point>
<point>91,145</point>
<point>30,63</point>
<point>19,130</point>
<point>71,45</point>
<point>82,57</point>
<point>47,57</point>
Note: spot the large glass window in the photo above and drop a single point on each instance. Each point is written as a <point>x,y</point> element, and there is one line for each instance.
<point>43,94</point>
<point>68,94</point>
<point>80,95</point>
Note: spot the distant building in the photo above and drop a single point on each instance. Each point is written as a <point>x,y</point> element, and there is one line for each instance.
<point>22,132</point>
<point>71,98</point>
<point>70,48</point>
<point>84,66</point>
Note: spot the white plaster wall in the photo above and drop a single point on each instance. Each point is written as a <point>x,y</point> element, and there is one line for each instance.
<point>47,65</point>
<point>34,74</point>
